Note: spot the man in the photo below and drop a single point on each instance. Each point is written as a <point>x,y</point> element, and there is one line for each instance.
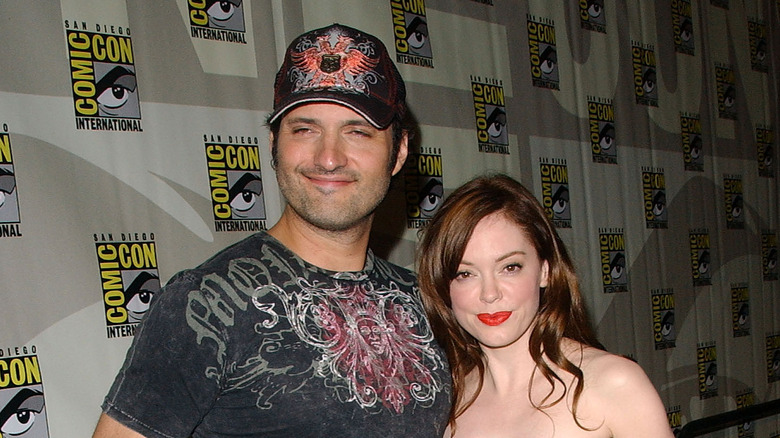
<point>300,331</point>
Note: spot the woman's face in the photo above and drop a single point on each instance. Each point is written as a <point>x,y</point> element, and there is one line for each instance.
<point>495,294</point>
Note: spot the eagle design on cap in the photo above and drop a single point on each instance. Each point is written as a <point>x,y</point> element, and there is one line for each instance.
<point>345,64</point>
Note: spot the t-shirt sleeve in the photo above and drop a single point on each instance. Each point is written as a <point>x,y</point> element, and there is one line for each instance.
<point>173,369</point>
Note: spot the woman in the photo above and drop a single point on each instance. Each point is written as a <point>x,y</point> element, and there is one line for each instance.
<point>504,302</point>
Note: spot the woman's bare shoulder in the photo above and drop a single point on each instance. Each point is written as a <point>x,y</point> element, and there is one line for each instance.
<point>602,367</point>
<point>618,387</point>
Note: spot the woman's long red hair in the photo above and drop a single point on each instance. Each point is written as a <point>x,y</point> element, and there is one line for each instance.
<point>561,312</point>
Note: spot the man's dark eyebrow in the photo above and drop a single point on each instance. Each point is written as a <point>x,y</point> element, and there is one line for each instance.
<point>358,122</point>
<point>290,120</point>
<point>351,122</point>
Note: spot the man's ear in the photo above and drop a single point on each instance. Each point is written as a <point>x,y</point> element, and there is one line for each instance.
<point>272,148</point>
<point>403,152</point>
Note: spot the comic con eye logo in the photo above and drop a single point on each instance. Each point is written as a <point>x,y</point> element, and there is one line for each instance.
<point>696,145</point>
<point>116,91</point>
<point>737,205</point>
<point>761,51</point>
<point>768,152</point>
<point>9,204</point>
<point>21,413</point>
<point>711,375</point>
<point>244,196</point>
<point>607,136</point>
<point>617,266</point>
<point>430,197</point>
<point>729,97</point>
<point>549,60</point>
<point>686,30</point>
<point>417,37</point>
<point>743,315</point>
<point>704,262</point>
<point>659,203</point>
<point>595,8</point>
<point>139,295</point>
<point>560,201</point>
<point>496,125</point>
<point>667,325</point>
<point>217,14</point>
<point>649,81</point>
<point>223,13</point>
<point>771,260</point>
<point>7,185</point>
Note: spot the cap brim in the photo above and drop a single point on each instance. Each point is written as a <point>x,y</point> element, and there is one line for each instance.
<point>380,118</point>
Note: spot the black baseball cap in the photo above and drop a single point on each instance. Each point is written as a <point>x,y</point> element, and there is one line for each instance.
<point>340,64</point>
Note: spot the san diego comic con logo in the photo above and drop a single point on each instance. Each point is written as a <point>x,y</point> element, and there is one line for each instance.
<point>707,365</point>
<point>555,191</point>
<point>692,142</point>
<point>601,130</point>
<point>543,52</point>
<point>423,186</point>
<point>773,358</point>
<point>592,15</point>
<point>765,151</point>
<point>22,404</point>
<point>726,89</point>
<point>664,333</point>
<point>654,198</point>
<point>410,28</point>
<point>769,255</point>
<point>757,38</point>
<point>129,279</point>
<point>235,183</point>
<point>103,79</point>
<point>682,27</point>
<point>490,114</point>
<point>674,415</point>
<point>745,398</point>
<point>218,20</point>
<point>701,257</point>
<point>740,310</point>
<point>734,202</point>
<point>9,199</point>
<point>614,273</point>
<point>645,74</point>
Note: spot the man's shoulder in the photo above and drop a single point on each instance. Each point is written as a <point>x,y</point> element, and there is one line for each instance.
<point>247,248</point>
<point>389,269</point>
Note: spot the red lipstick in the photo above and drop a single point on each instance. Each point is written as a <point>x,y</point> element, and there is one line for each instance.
<point>494,319</point>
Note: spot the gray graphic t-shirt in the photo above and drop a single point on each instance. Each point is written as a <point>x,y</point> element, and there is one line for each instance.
<point>256,342</point>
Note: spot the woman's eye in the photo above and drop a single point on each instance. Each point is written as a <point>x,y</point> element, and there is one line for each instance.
<point>461,275</point>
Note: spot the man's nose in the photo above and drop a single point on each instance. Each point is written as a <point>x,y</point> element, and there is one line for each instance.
<point>330,154</point>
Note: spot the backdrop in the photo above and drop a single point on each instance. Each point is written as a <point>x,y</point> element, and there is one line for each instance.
<point>133,145</point>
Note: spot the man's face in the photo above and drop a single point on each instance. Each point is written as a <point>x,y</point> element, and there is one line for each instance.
<point>333,166</point>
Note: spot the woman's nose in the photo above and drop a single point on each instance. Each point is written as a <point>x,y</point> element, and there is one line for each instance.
<point>490,291</point>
